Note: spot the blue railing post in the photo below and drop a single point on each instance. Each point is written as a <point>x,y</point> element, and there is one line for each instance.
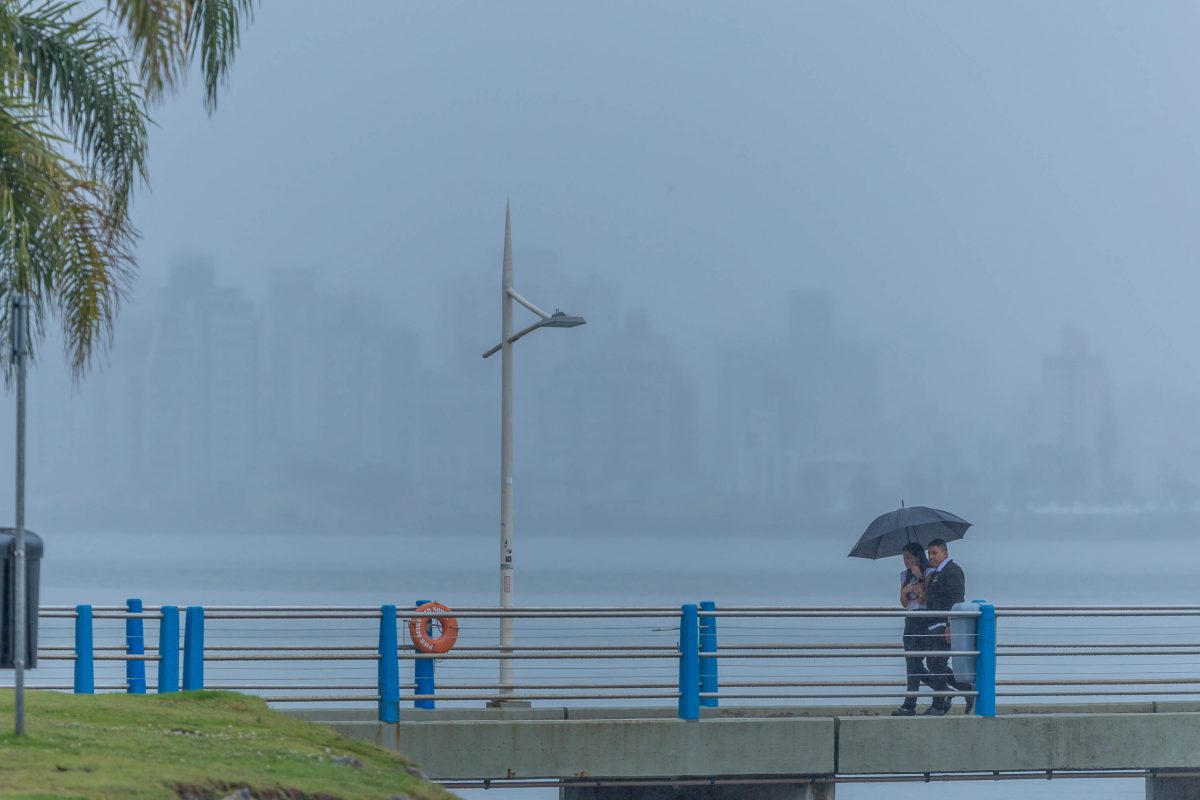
<point>389,666</point>
<point>85,673</point>
<point>708,644</point>
<point>193,649</point>
<point>689,664</point>
<point>135,645</point>
<point>168,650</point>
<point>985,667</point>
<point>423,670</point>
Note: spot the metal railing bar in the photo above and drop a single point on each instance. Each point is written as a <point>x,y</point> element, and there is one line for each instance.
<point>1098,607</point>
<point>613,610</point>
<point>301,686</point>
<point>1102,612</point>
<point>458,687</point>
<point>854,654</point>
<point>562,647</point>
<point>55,657</point>
<point>211,615</point>
<point>287,648</point>
<point>758,609</point>
<point>597,696</point>
<point>292,657</point>
<point>1156,645</point>
<point>1099,693</point>
<point>481,613</point>
<point>498,654</point>
<point>1100,682</point>
<point>1041,775</point>
<point>410,656</point>
<point>457,648</point>
<point>816,684</point>
<point>71,648</point>
<point>546,614</point>
<point>836,614</point>
<point>447,697</point>
<point>406,609</point>
<point>812,646</point>
<point>1105,652</point>
<point>54,687</point>
<point>324,698</point>
<point>820,695</point>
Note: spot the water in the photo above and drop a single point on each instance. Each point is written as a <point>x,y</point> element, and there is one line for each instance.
<point>1009,560</point>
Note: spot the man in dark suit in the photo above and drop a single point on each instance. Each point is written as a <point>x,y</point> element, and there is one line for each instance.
<point>944,587</point>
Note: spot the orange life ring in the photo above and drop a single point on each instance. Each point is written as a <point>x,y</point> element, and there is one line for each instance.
<point>423,639</point>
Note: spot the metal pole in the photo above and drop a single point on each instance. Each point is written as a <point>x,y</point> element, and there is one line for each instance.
<point>135,645</point>
<point>85,651</point>
<point>689,663</point>
<point>985,670</point>
<point>506,459</point>
<point>168,650</point>
<point>193,649</point>
<point>18,320</point>
<point>424,675</point>
<point>389,666</point>
<point>708,644</point>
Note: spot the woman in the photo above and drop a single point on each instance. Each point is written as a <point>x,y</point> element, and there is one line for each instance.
<point>912,598</point>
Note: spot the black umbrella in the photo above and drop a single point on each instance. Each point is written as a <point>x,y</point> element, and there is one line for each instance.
<point>888,534</point>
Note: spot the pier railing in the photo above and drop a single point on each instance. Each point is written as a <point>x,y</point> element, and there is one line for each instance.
<point>1098,652</point>
<point>688,657</point>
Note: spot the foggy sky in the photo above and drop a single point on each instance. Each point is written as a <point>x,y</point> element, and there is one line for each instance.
<point>963,179</point>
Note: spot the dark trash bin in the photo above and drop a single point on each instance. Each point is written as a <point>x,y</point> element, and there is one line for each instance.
<point>33,568</point>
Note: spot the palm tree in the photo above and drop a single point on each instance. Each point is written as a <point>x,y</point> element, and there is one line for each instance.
<point>75,89</point>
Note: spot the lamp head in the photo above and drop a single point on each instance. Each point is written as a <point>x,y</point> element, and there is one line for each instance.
<point>560,320</point>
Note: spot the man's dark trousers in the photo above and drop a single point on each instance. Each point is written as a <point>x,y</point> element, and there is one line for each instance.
<point>938,666</point>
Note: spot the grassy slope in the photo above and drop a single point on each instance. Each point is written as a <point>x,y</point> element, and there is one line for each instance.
<point>134,747</point>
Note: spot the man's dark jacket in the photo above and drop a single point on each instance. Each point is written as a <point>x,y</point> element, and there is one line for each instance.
<point>944,589</point>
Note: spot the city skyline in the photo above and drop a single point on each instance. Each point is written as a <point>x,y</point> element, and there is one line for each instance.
<point>304,407</point>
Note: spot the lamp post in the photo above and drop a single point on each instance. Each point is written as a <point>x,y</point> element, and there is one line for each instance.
<point>556,320</point>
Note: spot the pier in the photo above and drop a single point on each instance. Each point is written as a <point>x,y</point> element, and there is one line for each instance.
<point>785,752</point>
<point>637,703</point>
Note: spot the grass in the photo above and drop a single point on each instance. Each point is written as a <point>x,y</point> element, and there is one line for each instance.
<point>198,745</point>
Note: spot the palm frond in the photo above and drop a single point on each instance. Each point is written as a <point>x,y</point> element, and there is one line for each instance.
<point>168,35</point>
<point>79,73</point>
<point>61,242</point>
<point>213,30</point>
<point>156,30</point>
<point>73,139</point>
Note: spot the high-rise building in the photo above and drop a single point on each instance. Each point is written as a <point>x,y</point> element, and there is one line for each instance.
<point>616,421</point>
<point>1072,443</point>
<point>201,385</point>
<point>800,417</point>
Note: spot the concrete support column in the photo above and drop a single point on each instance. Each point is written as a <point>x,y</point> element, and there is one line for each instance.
<point>728,791</point>
<point>1163,786</point>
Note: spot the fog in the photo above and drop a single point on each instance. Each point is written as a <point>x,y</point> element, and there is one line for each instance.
<point>832,257</point>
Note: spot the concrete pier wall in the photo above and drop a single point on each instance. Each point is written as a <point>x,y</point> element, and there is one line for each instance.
<point>631,748</point>
<point>556,743</point>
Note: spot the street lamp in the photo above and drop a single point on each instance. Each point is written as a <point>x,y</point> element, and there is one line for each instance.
<point>556,320</point>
